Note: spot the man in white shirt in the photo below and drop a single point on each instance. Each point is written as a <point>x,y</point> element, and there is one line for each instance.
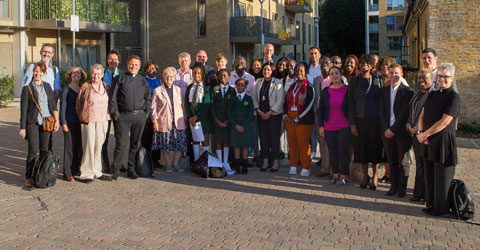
<point>393,112</point>
<point>240,72</point>
<point>268,52</point>
<point>52,76</point>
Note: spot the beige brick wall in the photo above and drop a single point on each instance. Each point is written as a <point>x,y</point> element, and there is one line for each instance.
<point>173,29</point>
<point>454,32</point>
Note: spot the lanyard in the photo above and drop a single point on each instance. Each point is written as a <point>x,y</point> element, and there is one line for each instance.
<point>294,92</point>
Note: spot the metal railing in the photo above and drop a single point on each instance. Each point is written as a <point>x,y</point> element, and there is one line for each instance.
<point>250,26</point>
<point>373,7</point>
<point>100,11</point>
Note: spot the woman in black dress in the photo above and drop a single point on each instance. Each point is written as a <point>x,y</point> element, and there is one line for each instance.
<point>363,108</point>
<point>72,136</point>
<point>436,130</point>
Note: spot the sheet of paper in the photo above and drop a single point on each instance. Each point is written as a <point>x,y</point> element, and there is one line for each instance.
<point>197,132</point>
<point>214,162</point>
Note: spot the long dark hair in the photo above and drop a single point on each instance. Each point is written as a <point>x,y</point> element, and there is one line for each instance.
<point>255,75</point>
<point>277,73</point>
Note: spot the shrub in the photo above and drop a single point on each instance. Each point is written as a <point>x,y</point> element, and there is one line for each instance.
<point>473,128</point>
<point>6,90</point>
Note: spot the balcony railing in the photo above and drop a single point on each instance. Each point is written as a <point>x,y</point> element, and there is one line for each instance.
<point>250,26</point>
<point>298,6</point>
<point>373,27</point>
<point>373,7</point>
<point>99,11</point>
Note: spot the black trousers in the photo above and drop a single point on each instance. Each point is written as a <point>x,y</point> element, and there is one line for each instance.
<point>72,150</point>
<point>419,188</point>
<point>105,159</point>
<point>128,127</point>
<point>188,132</point>
<point>395,149</point>
<point>38,141</point>
<point>269,131</point>
<point>338,143</point>
<point>437,183</point>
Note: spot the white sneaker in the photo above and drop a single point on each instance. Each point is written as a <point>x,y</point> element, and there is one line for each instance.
<point>293,170</point>
<point>305,172</point>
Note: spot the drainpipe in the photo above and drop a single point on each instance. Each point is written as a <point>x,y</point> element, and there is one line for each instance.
<point>148,30</point>
<point>233,44</point>
<point>367,30</point>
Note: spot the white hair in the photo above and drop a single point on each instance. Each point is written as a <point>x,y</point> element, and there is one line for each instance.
<point>184,55</point>
<point>97,66</point>
<point>447,67</point>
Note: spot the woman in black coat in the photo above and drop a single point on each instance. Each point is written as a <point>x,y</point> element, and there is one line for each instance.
<point>436,131</point>
<point>36,95</point>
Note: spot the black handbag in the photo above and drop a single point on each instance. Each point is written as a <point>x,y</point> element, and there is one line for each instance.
<point>45,170</point>
<point>144,164</point>
<point>201,166</point>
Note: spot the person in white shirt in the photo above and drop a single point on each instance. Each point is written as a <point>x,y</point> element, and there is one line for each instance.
<point>240,72</point>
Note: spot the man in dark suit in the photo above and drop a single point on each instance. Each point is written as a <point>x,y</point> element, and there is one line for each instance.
<point>393,113</point>
<point>203,58</point>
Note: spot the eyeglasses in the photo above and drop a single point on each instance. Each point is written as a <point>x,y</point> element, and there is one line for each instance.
<point>443,76</point>
<point>47,52</point>
<point>337,62</point>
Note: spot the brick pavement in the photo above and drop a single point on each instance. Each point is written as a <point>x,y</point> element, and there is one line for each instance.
<point>183,211</point>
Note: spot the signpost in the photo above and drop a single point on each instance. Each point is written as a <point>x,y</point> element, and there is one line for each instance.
<point>74,27</point>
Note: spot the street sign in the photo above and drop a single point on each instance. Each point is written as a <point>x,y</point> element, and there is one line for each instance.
<point>74,23</point>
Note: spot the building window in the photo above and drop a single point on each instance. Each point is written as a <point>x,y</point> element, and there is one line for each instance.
<point>85,55</point>
<point>240,10</point>
<point>394,42</point>
<point>373,5</point>
<point>373,42</point>
<point>250,10</point>
<point>394,4</point>
<point>201,18</point>
<point>394,22</point>
<point>373,24</point>
<point>4,9</point>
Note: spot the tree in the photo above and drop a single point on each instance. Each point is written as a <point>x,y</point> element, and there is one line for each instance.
<point>342,27</point>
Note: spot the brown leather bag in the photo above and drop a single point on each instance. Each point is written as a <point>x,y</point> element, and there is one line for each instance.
<point>49,121</point>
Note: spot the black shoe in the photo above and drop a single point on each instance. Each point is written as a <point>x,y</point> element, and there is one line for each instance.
<point>363,186</point>
<point>114,176</point>
<point>132,174</point>
<point>123,169</point>
<point>281,156</point>
<point>86,180</point>
<point>250,165</point>
<point>105,178</point>
<point>244,168</point>
<point>392,192</point>
<point>385,179</point>
<point>319,162</point>
<point>264,169</point>
<point>273,170</point>
<point>415,199</point>
<point>373,187</point>
<point>427,209</point>
<point>401,193</point>
<point>237,166</point>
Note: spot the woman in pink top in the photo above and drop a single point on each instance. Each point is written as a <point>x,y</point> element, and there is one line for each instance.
<point>334,125</point>
<point>92,111</point>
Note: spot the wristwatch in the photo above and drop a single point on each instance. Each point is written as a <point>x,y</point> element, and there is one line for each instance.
<point>419,131</point>
<point>296,120</point>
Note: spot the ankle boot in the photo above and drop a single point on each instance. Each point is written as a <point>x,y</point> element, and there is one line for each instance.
<point>236,166</point>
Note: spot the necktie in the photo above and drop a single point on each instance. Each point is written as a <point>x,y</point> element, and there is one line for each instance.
<point>239,97</point>
<point>224,91</point>
<point>194,99</point>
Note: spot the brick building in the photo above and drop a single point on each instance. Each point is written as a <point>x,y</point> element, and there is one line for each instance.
<point>231,27</point>
<point>452,28</point>
<point>384,27</point>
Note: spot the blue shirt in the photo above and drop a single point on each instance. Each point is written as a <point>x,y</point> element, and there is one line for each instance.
<point>52,76</point>
<point>109,75</point>
<point>153,83</point>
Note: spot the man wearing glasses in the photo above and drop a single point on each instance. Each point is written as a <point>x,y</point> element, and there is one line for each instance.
<point>52,76</point>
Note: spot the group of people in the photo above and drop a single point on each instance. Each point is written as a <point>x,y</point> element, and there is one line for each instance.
<point>363,108</point>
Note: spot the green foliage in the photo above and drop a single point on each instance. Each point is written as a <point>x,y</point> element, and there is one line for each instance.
<point>6,90</point>
<point>101,11</point>
<point>473,127</point>
<point>342,27</point>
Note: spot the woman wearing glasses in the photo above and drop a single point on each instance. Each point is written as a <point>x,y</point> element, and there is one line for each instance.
<point>436,130</point>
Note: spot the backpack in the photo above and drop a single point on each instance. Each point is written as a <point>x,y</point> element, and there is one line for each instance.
<point>45,170</point>
<point>462,205</point>
<point>144,164</point>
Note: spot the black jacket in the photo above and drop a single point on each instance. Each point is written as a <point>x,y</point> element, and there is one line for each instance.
<point>129,93</point>
<point>400,109</point>
<point>357,97</point>
<point>28,109</point>
<point>324,109</point>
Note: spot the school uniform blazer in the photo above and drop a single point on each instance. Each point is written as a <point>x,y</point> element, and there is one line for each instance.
<point>28,109</point>
<point>357,98</point>
<point>275,95</point>
<point>162,109</point>
<point>220,103</point>
<point>400,109</point>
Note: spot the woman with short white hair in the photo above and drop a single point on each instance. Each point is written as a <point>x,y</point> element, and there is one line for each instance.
<point>92,111</point>
<point>168,121</point>
<point>436,130</point>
